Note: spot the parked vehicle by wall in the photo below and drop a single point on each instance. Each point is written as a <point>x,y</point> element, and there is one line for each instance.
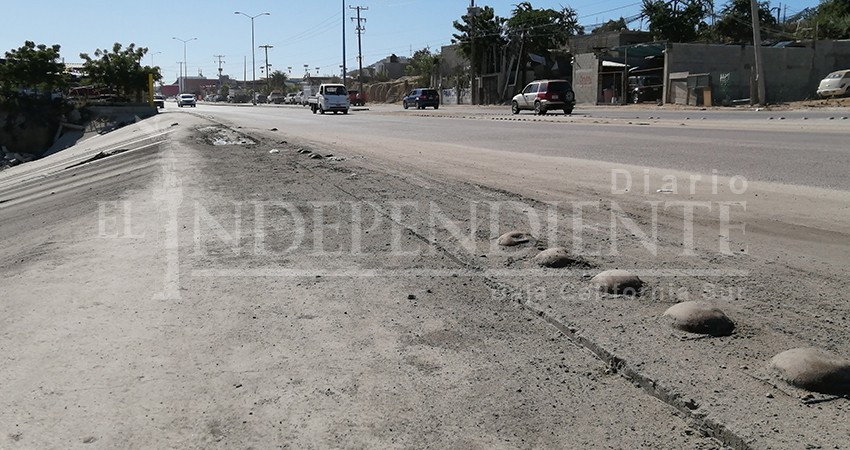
<point>421,98</point>
<point>330,97</point>
<point>238,97</point>
<point>643,88</point>
<point>307,91</point>
<point>835,84</point>
<point>186,100</point>
<point>356,98</point>
<point>542,96</point>
<point>276,97</point>
<point>159,101</point>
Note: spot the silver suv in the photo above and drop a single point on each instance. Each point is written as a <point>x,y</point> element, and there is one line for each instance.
<point>186,100</point>
<point>542,96</point>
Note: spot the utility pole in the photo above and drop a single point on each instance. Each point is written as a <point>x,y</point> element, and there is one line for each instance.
<point>360,29</point>
<point>180,77</point>
<point>343,44</point>
<point>472,12</point>
<point>268,77</point>
<point>220,62</point>
<point>757,52</point>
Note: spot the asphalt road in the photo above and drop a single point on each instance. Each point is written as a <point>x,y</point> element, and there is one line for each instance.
<point>787,149</point>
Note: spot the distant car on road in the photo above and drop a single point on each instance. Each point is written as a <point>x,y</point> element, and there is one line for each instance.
<point>159,101</point>
<point>186,100</point>
<point>290,98</point>
<point>542,96</point>
<point>421,98</point>
<point>835,84</point>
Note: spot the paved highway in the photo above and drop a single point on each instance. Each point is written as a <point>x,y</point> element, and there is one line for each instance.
<point>787,149</point>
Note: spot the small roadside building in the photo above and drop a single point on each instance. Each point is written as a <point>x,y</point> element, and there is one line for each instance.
<point>707,74</point>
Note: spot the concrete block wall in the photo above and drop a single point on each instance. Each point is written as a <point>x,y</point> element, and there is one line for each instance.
<point>586,78</point>
<point>790,73</point>
<point>830,56</point>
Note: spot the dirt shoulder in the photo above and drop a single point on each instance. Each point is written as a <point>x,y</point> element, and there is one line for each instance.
<point>170,312</point>
<point>244,292</point>
<point>780,275</point>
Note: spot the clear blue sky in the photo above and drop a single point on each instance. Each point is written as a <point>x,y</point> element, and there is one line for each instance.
<point>301,31</point>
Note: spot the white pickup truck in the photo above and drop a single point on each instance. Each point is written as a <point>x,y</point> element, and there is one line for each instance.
<point>330,97</point>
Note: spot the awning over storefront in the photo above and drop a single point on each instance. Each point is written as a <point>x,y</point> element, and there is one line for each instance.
<point>644,51</point>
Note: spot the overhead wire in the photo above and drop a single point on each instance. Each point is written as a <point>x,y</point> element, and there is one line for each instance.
<point>334,21</point>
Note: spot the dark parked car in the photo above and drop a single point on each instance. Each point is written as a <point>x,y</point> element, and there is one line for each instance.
<point>645,88</point>
<point>542,96</point>
<point>421,98</point>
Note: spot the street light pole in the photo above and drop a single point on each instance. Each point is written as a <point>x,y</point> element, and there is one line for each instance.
<point>185,67</point>
<point>253,57</point>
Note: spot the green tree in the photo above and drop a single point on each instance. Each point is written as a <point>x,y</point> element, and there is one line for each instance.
<point>422,64</point>
<point>611,25</point>
<point>677,21</point>
<point>34,68</point>
<point>832,19</point>
<point>736,23</point>
<point>277,80</point>
<point>120,70</point>
<point>479,34</point>
<point>538,31</point>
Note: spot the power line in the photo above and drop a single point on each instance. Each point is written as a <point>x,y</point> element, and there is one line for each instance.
<point>609,10</point>
<point>311,31</point>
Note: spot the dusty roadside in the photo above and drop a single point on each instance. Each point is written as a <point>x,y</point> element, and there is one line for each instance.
<point>781,276</point>
<point>201,295</point>
<point>217,296</point>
